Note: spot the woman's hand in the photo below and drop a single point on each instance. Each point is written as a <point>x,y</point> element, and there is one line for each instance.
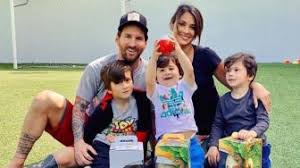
<point>262,94</point>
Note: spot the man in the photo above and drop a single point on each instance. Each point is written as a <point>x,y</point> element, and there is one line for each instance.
<point>53,113</point>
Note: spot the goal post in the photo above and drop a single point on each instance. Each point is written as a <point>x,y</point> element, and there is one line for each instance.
<point>13,34</point>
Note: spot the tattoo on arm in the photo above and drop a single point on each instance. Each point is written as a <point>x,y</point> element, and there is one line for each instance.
<point>26,142</point>
<point>79,110</point>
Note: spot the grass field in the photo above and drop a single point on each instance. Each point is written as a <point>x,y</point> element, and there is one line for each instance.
<point>19,87</point>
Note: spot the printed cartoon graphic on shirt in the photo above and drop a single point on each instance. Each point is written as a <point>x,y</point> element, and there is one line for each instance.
<point>128,126</point>
<point>173,104</point>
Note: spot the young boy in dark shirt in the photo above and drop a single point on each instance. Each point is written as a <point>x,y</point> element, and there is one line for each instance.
<point>123,111</point>
<point>236,111</point>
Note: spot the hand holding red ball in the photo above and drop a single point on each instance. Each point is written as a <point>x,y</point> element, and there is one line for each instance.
<point>166,46</point>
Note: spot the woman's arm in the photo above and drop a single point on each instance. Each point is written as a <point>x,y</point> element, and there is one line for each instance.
<point>220,74</point>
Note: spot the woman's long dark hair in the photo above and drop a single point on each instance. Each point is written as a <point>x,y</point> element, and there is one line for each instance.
<point>195,13</point>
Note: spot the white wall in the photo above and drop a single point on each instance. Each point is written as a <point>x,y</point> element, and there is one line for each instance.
<point>66,31</point>
<point>79,31</point>
<point>269,29</point>
<point>5,33</point>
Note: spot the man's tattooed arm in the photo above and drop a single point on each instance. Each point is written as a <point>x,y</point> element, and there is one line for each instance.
<point>78,119</point>
<point>26,142</point>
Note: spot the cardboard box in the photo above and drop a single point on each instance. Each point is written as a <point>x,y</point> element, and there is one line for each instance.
<point>172,151</point>
<point>126,151</point>
<point>240,153</point>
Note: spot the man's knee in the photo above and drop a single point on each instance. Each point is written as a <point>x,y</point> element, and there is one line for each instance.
<point>48,101</point>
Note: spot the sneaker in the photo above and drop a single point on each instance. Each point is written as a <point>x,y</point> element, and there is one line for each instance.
<point>49,162</point>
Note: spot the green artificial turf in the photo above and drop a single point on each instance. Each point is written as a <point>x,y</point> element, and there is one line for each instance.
<point>19,86</point>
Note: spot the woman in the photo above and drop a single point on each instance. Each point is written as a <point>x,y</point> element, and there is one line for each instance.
<point>187,25</point>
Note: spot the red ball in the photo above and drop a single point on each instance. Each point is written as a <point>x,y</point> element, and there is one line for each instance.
<point>166,46</point>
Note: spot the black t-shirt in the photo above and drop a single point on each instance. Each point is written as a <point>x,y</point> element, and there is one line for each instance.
<point>206,97</point>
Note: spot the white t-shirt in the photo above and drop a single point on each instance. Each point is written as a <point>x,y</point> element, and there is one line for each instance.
<point>174,110</point>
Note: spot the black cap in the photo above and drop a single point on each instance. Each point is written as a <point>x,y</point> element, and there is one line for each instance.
<point>134,17</point>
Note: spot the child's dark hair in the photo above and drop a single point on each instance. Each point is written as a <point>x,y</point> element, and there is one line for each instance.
<point>247,60</point>
<point>163,61</point>
<point>114,72</point>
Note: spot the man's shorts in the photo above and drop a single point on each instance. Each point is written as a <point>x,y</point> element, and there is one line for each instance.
<point>63,132</point>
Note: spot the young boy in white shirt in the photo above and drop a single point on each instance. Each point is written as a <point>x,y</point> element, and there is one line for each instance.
<point>170,84</point>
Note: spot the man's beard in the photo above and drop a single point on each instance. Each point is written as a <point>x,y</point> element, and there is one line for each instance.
<point>129,61</point>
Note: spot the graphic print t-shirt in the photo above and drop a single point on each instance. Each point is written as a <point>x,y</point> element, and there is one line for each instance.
<point>174,111</point>
<point>91,87</point>
<point>123,122</point>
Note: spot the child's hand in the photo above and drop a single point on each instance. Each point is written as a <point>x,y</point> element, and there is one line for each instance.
<point>213,156</point>
<point>246,135</point>
<point>110,138</point>
<point>156,53</point>
<point>177,51</point>
<point>235,135</point>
